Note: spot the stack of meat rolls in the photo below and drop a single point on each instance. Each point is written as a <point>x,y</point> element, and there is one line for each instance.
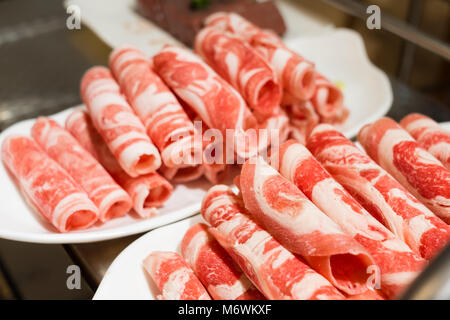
<point>378,192</point>
<point>243,67</point>
<point>214,100</point>
<point>276,272</point>
<point>398,264</point>
<point>111,200</point>
<point>165,121</point>
<point>248,89</point>
<point>326,206</point>
<point>97,168</point>
<point>296,75</point>
<point>147,192</point>
<point>283,210</point>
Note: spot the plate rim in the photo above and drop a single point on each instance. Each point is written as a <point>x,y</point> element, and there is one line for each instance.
<point>135,245</point>
<point>89,235</point>
<point>103,235</point>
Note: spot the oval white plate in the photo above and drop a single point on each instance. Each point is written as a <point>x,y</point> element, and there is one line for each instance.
<point>339,54</point>
<point>126,278</point>
<point>20,222</point>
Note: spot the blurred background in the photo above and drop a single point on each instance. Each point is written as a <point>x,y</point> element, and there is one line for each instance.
<point>421,69</point>
<point>41,62</point>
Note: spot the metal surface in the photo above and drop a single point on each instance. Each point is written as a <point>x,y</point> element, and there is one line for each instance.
<point>398,27</point>
<point>415,14</point>
<point>95,258</point>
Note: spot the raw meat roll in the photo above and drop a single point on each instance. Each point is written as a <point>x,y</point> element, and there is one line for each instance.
<point>233,23</point>
<point>328,101</point>
<point>417,170</point>
<point>47,186</point>
<point>215,101</point>
<point>216,172</point>
<point>186,170</point>
<point>146,192</point>
<point>295,73</point>
<point>274,130</point>
<point>303,117</point>
<point>214,164</point>
<point>174,278</point>
<point>275,271</point>
<point>398,265</point>
<point>302,228</point>
<point>114,119</point>
<point>220,275</point>
<point>378,192</point>
<point>243,67</point>
<point>429,135</point>
<point>166,123</point>
<point>111,200</point>
<point>182,174</point>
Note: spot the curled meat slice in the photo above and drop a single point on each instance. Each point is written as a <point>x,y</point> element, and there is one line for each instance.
<point>301,227</point>
<point>221,276</point>
<point>47,186</point>
<point>116,122</point>
<point>174,278</point>
<point>398,265</point>
<point>416,169</point>
<point>378,192</point>
<point>275,271</point>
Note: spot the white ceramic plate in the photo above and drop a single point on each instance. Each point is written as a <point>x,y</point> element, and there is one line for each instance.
<point>126,278</point>
<point>339,54</point>
<point>20,222</point>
